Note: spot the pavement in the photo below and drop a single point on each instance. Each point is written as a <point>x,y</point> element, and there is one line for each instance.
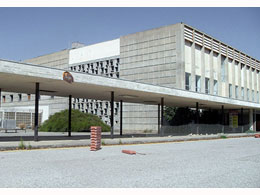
<point>219,163</point>
<point>11,141</point>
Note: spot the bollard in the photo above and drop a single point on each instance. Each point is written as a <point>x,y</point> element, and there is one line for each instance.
<point>95,138</point>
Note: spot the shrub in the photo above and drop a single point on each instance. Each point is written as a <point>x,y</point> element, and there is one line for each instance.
<point>80,122</point>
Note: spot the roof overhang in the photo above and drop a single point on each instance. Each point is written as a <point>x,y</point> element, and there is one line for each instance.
<point>21,78</point>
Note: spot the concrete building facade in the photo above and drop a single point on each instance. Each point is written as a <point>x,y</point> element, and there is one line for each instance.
<point>175,56</point>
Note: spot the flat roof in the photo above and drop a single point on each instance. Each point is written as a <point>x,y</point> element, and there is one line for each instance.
<point>21,77</point>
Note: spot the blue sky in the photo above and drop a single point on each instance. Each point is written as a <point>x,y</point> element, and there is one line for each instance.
<point>31,32</point>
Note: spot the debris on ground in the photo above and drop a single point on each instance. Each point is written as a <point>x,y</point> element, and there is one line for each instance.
<point>257,135</point>
<point>131,152</point>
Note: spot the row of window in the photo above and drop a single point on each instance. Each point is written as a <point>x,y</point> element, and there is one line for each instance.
<point>215,88</point>
<point>20,97</point>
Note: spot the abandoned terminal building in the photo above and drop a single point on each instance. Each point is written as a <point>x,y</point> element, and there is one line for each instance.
<point>176,56</point>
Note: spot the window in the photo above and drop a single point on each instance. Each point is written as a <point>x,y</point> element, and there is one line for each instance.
<point>197,83</point>
<point>29,97</point>
<point>187,81</point>
<point>207,85</point>
<point>236,92</point>
<point>253,95</point>
<point>4,99</point>
<point>215,87</point>
<point>248,95</point>
<point>242,93</point>
<point>12,98</point>
<point>19,97</point>
<point>257,97</point>
<point>230,90</point>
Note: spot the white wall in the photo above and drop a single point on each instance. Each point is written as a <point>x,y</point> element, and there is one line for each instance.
<point>96,51</point>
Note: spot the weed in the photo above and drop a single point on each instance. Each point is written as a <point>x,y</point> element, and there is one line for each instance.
<point>223,137</point>
<point>103,142</point>
<point>29,146</point>
<point>120,142</point>
<point>21,144</point>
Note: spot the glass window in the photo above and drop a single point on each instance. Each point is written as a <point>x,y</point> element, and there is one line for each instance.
<point>248,95</point>
<point>257,97</point>
<point>197,83</point>
<point>253,95</point>
<point>12,98</point>
<point>230,91</point>
<point>187,81</point>
<point>19,97</point>
<point>207,85</point>
<point>215,87</point>
<point>236,92</point>
<point>242,93</point>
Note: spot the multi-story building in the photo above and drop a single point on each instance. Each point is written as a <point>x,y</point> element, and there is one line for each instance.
<point>175,56</point>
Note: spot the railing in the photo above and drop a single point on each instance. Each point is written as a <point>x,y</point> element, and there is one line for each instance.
<point>202,129</point>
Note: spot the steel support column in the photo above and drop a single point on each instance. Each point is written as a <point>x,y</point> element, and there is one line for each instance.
<point>222,118</point>
<point>197,117</point>
<point>254,120</point>
<point>242,119</point>
<point>162,117</point>
<point>121,117</point>
<point>112,114</point>
<point>69,124</point>
<point>0,97</point>
<point>36,113</point>
<point>159,120</point>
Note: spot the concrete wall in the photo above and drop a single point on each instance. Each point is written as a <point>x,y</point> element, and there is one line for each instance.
<point>154,57</point>
<point>96,51</point>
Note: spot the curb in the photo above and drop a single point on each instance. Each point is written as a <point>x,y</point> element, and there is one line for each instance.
<point>127,141</point>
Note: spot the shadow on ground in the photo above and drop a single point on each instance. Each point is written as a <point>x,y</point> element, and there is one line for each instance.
<point>14,137</point>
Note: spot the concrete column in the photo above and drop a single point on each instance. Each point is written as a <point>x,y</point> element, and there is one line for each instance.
<point>251,119</point>
<point>220,93</point>
<point>193,68</point>
<point>121,117</point>
<point>239,80</point>
<point>69,124</point>
<point>233,80</point>
<point>112,115</point>
<point>226,77</point>
<point>162,116</point>
<point>250,83</point>
<point>36,113</point>
<point>245,82</point>
<point>211,88</point>
<point>197,116</point>
<point>203,69</point>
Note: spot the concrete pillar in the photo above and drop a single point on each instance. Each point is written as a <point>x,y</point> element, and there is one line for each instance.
<point>162,116</point>
<point>69,124</point>
<point>203,69</point>
<point>197,117</point>
<point>36,113</point>
<point>211,89</point>
<point>112,115</point>
<point>193,68</point>
<point>251,119</point>
<point>239,80</point>
<point>233,80</point>
<point>121,117</point>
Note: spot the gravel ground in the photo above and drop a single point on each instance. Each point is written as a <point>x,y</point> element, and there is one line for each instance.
<point>214,163</point>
